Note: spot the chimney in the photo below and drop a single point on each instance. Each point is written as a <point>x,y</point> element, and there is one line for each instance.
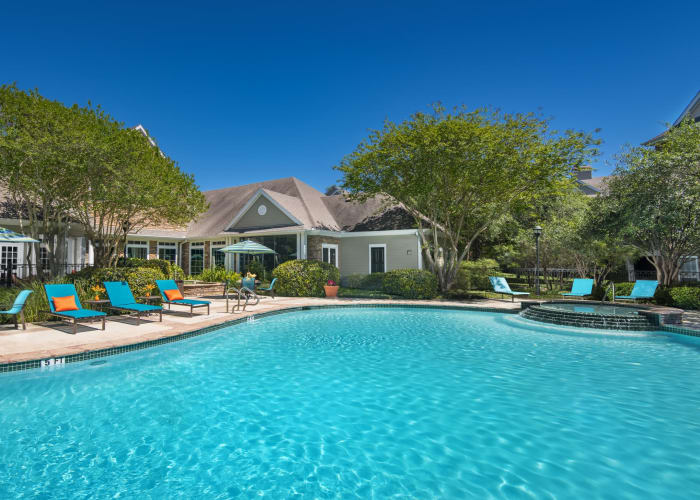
<point>584,172</point>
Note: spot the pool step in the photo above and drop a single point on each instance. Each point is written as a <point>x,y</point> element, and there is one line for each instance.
<point>588,320</point>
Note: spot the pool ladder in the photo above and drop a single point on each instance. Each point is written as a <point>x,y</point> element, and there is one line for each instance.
<point>246,293</point>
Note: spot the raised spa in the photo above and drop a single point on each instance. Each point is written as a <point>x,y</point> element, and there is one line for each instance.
<point>592,315</point>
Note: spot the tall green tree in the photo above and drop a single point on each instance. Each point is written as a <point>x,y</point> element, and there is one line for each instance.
<point>460,172</point>
<point>652,201</point>
<point>78,165</point>
<point>35,162</point>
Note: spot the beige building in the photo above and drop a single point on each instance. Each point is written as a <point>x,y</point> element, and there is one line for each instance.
<point>287,215</point>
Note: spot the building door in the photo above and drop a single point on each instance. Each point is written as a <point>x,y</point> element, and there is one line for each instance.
<point>377,259</point>
<point>9,256</point>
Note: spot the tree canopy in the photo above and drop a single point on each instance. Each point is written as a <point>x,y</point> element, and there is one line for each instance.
<point>652,201</point>
<point>78,165</point>
<point>460,172</point>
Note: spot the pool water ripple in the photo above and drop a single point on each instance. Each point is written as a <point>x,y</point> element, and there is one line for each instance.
<point>363,403</point>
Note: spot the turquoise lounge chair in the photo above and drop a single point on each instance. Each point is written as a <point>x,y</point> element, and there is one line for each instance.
<point>121,298</point>
<point>580,288</point>
<point>500,285</point>
<point>643,289</point>
<point>17,309</point>
<point>269,289</point>
<point>67,290</point>
<point>164,285</point>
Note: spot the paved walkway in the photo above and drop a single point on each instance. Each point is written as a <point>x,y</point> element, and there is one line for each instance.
<point>691,319</point>
<point>56,339</point>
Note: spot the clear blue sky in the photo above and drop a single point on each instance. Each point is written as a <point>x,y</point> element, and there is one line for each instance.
<point>255,91</point>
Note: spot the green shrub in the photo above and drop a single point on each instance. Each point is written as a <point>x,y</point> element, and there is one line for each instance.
<point>257,268</point>
<point>411,283</point>
<point>374,281</point>
<point>218,274</point>
<point>474,274</point>
<point>304,278</point>
<point>137,277</point>
<point>176,272</point>
<point>685,297</point>
<point>161,264</point>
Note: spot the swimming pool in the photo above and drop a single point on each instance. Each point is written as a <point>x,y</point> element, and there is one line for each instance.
<point>352,403</point>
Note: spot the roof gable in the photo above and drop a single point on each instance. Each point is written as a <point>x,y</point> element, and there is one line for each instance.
<point>266,209</point>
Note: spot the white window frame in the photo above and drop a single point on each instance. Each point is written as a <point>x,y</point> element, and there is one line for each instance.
<point>168,245</point>
<point>376,245</point>
<point>329,246</point>
<point>214,246</point>
<point>137,244</point>
<point>196,244</point>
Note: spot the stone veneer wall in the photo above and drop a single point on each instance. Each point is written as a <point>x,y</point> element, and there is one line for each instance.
<point>314,246</point>
<point>152,249</point>
<point>185,259</point>
<point>207,252</point>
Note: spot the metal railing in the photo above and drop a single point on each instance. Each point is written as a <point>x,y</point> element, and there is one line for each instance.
<point>683,276</point>
<point>10,273</point>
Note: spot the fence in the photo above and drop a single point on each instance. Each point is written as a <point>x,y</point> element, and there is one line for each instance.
<point>11,273</point>
<point>683,276</point>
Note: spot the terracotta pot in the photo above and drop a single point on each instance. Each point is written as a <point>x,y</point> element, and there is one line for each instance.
<point>331,291</point>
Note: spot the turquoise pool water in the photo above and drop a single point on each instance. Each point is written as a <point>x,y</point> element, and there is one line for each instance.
<point>363,403</point>
<point>592,308</point>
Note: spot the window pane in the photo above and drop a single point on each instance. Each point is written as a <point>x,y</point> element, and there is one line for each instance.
<point>196,260</point>
<point>219,258</point>
<point>136,252</point>
<point>333,259</point>
<point>168,254</point>
<point>377,257</point>
<point>325,255</point>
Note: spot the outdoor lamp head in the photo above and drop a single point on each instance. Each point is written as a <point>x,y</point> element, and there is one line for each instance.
<point>537,231</point>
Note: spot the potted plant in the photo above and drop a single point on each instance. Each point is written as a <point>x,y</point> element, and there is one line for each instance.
<point>331,288</point>
<point>97,289</point>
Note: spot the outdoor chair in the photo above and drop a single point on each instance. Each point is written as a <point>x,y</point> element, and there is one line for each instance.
<point>500,285</point>
<point>643,289</point>
<point>270,289</point>
<point>171,294</point>
<point>17,309</point>
<point>64,303</point>
<point>121,298</point>
<point>580,288</point>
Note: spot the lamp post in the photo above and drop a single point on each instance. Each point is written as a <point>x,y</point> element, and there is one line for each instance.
<point>537,231</point>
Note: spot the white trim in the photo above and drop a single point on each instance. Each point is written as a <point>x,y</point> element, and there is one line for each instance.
<point>139,244</point>
<point>256,196</point>
<point>168,245</point>
<point>329,246</point>
<point>212,251</point>
<point>377,245</point>
<point>420,253</point>
<point>359,234</point>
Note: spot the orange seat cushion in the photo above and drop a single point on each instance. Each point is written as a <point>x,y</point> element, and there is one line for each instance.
<point>173,294</point>
<point>65,303</point>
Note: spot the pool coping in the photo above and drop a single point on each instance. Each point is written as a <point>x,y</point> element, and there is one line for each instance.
<point>88,354</point>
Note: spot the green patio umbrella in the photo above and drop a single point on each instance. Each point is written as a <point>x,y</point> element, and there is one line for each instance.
<point>6,235</point>
<point>248,247</point>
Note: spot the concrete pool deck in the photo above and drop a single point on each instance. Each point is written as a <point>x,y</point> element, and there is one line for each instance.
<point>55,339</point>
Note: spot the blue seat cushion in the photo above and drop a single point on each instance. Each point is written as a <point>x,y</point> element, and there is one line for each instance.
<point>571,294</point>
<point>139,307</point>
<point>190,302</point>
<point>628,297</point>
<point>81,313</point>
<point>518,293</point>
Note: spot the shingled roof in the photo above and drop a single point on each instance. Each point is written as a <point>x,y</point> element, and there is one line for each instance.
<point>306,204</point>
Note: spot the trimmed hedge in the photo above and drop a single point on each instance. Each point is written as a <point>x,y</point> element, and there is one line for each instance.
<point>218,274</point>
<point>685,297</point>
<point>161,264</point>
<point>137,277</point>
<point>411,283</point>
<point>374,281</point>
<point>304,278</point>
